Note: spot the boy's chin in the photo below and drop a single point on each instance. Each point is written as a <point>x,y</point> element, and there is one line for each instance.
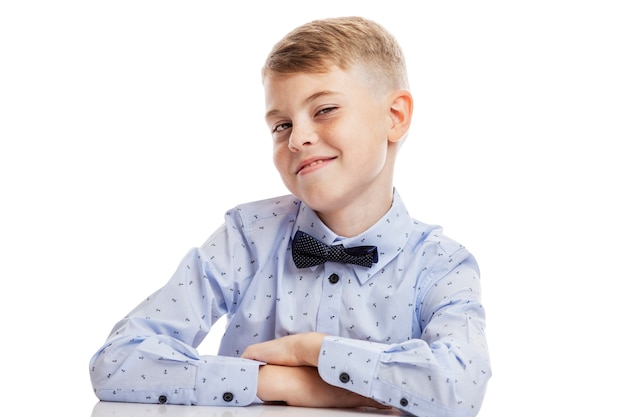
<point>324,201</point>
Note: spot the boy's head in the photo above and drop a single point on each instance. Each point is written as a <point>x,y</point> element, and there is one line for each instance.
<point>338,108</point>
<point>342,42</point>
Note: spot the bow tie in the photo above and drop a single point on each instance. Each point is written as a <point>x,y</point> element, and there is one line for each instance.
<point>308,251</point>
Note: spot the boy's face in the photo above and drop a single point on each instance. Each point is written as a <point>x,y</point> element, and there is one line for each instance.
<point>330,134</point>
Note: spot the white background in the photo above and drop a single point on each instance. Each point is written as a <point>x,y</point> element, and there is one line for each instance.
<point>128,128</point>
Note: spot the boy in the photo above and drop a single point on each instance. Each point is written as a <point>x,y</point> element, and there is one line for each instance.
<point>335,297</point>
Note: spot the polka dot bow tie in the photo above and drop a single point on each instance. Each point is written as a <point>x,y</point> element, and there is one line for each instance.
<point>308,251</point>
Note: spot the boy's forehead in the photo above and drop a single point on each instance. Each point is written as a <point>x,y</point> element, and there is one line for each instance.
<point>304,85</point>
<point>307,85</point>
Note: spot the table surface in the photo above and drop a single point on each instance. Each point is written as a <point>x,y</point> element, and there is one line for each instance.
<point>112,409</point>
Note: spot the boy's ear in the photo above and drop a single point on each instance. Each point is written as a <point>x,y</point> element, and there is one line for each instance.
<point>401,112</point>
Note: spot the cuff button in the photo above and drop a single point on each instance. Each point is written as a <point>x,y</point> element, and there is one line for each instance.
<point>228,396</point>
<point>162,399</point>
<point>344,377</point>
<point>404,402</point>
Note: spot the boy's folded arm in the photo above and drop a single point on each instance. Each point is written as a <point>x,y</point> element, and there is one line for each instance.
<point>442,371</point>
<point>151,356</point>
<point>160,369</point>
<point>302,386</point>
<point>412,375</point>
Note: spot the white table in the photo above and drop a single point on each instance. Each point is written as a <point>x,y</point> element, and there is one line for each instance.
<point>112,409</point>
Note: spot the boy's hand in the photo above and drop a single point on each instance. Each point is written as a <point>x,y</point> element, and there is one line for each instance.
<point>302,386</point>
<point>291,374</point>
<point>294,350</point>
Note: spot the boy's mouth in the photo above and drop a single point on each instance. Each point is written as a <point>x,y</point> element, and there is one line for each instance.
<point>311,163</point>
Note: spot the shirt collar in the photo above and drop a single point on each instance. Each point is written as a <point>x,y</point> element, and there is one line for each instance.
<point>389,234</point>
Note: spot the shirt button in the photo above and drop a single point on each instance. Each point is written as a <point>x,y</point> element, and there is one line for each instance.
<point>333,278</point>
<point>404,402</point>
<point>162,399</point>
<point>228,396</point>
<point>344,377</point>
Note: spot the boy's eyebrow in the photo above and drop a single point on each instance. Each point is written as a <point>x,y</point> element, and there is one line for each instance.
<point>307,100</point>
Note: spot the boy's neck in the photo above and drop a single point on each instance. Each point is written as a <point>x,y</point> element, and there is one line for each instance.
<point>352,220</point>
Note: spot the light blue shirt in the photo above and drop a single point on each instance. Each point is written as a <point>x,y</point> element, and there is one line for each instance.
<point>407,332</point>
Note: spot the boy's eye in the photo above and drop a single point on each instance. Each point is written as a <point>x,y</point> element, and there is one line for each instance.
<point>326,110</point>
<point>281,127</point>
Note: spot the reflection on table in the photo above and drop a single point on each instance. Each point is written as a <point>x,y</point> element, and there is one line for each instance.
<point>112,409</point>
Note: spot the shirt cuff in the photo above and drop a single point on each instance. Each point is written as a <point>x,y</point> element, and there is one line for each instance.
<point>227,381</point>
<point>349,363</point>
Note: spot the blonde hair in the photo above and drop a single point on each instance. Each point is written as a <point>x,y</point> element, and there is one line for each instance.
<point>344,42</point>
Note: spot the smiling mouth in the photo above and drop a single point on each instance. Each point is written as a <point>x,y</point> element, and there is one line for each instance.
<point>312,164</point>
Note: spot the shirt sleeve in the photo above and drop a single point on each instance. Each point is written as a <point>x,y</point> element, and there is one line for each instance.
<point>443,372</point>
<point>150,355</point>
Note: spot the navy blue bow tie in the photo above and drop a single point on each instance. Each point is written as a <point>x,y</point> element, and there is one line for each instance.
<point>308,251</point>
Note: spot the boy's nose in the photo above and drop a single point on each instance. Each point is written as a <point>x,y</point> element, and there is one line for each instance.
<point>300,137</point>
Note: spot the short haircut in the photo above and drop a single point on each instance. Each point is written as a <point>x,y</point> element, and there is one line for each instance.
<point>344,42</point>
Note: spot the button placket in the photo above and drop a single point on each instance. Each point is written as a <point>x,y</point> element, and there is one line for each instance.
<point>330,300</point>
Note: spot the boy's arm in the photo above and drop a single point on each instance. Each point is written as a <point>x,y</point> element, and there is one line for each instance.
<point>150,356</point>
<point>302,386</point>
<point>443,372</point>
<point>160,370</point>
<point>291,375</point>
